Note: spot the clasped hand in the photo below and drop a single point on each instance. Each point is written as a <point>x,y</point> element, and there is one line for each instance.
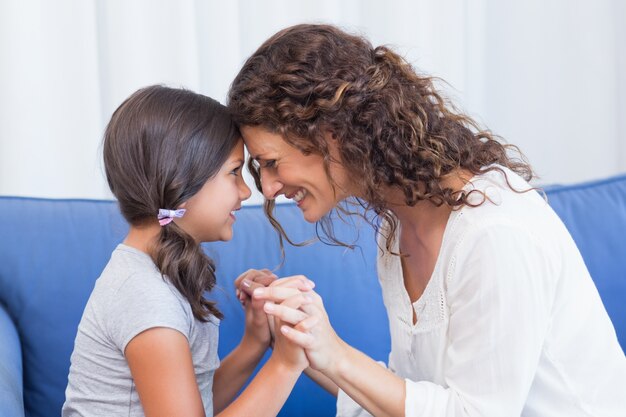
<point>297,313</point>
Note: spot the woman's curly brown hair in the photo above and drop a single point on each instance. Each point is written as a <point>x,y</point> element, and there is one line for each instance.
<point>392,127</point>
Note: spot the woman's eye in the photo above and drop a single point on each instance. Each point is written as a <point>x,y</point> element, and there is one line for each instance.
<point>270,163</point>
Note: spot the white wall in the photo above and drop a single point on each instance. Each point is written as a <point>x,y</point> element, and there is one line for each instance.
<point>547,75</point>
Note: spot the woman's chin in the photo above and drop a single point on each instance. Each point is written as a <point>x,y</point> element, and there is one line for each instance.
<point>310,218</point>
<point>313,214</point>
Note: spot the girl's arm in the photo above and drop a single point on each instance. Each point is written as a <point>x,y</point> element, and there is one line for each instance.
<point>269,390</point>
<point>234,371</point>
<point>167,386</point>
<point>375,388</point>
<point>299,282</point>
<point>236,368</point>
<point>162,368</point>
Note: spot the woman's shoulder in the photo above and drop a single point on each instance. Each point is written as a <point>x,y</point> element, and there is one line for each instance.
<point>501,196</point>
<point>504,211</point>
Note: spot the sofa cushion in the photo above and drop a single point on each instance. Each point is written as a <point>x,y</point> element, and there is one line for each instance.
<point>11,396</point>
<point>51,253</point>
<point>595,215</point>
<point>54,250</point>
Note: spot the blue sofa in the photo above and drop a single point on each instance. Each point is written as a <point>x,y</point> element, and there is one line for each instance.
<point>52,251</point>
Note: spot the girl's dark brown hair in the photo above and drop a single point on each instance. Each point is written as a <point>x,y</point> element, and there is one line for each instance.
<point>392,127</point>
<point>160,147</point>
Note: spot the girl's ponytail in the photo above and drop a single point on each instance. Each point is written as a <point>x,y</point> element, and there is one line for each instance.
<point>160,148</point>
<point>179,257</point>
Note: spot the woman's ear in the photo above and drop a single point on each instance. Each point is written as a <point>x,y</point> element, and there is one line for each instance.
<point>333,146</point>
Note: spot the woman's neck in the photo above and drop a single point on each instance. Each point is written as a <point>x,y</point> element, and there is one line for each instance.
<point>424,218</point>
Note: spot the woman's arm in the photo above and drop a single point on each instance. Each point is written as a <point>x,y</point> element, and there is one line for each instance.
<point>499,299</point>
<point>374,387</point>
<point>322,380</point>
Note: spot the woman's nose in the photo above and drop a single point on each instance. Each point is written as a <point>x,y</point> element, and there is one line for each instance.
<point>270,185</point>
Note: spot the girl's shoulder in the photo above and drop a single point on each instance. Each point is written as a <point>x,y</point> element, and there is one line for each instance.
<point>131,296</point>
<point>132,284</point>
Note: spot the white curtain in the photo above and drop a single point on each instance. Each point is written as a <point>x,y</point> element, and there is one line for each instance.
<point>547,75</point>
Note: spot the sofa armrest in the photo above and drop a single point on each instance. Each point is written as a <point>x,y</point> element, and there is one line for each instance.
<point>11,398</point>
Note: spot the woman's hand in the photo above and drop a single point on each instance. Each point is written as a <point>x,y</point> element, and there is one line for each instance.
<point>288,353</point>
<point>304,321</point>
<point>252,279</point>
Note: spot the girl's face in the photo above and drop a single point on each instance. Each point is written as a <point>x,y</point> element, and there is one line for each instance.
<point>210,212</point>
<point>285,170</point>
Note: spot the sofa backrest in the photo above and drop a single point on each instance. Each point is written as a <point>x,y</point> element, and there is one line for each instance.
<point>595,215</point>
<point>53,250</point>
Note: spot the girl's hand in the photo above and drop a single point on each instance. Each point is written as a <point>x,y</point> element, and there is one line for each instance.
<point>307,325</point>
<point>257,331</point>
<point>260,276</point>
<point>291,285</point>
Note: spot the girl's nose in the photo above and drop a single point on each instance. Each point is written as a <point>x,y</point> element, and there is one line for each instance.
<point>244,191</point>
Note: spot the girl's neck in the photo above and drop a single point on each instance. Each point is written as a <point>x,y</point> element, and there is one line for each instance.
<point>142,237</point>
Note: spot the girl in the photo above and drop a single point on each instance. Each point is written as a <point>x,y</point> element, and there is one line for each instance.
<point>147,341</point>
<point>492,311</point>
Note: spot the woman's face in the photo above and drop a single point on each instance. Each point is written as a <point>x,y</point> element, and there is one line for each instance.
<point>285,170</point>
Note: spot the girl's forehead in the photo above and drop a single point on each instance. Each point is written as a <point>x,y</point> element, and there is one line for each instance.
<point>237,151</point>
<point>239,147</point>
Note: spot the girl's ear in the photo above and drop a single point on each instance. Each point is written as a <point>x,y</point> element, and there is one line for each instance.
<point>182,205</point>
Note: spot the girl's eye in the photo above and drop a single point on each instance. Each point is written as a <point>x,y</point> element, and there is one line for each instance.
<point>236,171</point>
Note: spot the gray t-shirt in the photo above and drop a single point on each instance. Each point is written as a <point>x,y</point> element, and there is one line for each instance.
<point>129,297</point>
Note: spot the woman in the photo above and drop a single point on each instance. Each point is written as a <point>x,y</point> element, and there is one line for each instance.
<point>492,310</point>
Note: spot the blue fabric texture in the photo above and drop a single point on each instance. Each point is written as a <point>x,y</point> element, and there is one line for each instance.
<point>11,399</point>
<point>53,250</point>
<point>595,215</point>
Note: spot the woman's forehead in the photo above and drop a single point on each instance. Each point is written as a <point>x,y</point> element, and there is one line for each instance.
<point>260,141</point>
